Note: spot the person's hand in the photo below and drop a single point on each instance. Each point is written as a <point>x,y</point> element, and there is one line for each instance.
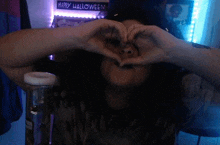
<point>154,44</point>
<point>96,32</point>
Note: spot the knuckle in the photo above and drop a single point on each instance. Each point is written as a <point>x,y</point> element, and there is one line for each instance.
<point>139,25</point>
<point>154,27</point>
<point>102,20</point>
<point>120,26</point>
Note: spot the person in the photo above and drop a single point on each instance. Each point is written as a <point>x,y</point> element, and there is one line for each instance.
<point>174,12</point>
<point>14,16</point>
<point>128,90</point>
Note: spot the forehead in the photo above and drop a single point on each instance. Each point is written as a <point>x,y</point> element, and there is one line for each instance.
<point>128,23</point>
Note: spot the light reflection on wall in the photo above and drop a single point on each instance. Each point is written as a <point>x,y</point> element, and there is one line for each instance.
<point>52,13</point>
<point>198,20</point>
<point>74,14</point>
<point>79,15</point>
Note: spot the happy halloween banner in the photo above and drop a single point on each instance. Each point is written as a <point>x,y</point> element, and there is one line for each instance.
<point>87,6</point>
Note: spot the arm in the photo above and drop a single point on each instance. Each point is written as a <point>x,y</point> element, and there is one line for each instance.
<point>19,50</point>
<point>203,62</point>
<point>22,48</point>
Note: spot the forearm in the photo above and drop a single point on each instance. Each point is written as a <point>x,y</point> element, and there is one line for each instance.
<point>201,61</point>
<point>23,47</point>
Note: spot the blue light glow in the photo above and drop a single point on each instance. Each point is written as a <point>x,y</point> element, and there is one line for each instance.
<point>196,13</point>
<point>198,20</point>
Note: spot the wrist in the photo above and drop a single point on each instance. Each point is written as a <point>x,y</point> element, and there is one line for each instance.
<point>183,51</point>
<point>67,38</point>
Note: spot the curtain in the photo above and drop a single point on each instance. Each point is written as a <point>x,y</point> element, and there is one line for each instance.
<point>11,19</point>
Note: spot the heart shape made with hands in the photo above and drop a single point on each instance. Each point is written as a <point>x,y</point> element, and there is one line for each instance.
<point>152,44</point>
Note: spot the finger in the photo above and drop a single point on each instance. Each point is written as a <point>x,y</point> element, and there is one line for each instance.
<point>101,28</point>
<point>145,45</point>
<point>134,61</point>
<point>100,50</point>
<point>113,29</point>
<point>135,26</point>
<point>111,55</point>
<point>132,34</point>
<point>146,31</point>
<point>112,33</point>
<point>121,30</point>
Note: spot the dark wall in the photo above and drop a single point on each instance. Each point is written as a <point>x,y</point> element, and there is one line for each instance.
<point>215,41</point>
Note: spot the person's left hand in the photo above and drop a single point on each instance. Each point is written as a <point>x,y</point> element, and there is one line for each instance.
<point>153,43</point>
<point>93,36</point>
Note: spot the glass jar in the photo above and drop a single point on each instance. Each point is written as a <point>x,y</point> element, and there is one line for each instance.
<point>40,86</point>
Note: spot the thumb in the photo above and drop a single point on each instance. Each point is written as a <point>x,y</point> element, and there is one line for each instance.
<point>110,54</point>
<point>99,49</point>
<point>134,61</point>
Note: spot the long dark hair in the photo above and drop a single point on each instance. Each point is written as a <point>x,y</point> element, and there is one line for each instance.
<point>164,82</point>
<point>161,93</point>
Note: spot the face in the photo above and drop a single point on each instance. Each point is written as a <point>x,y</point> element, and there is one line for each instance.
<point>127,76</point>
<point>175,13</point>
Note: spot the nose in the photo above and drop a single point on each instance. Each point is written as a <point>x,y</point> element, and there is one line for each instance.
<point>127,52</point>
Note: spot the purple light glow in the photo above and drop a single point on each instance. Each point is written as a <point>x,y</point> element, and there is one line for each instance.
<point>76,14</point>
<point>52,12</point>
<point>51,57</point>
<point>79,15</point>
<point>51,20</point>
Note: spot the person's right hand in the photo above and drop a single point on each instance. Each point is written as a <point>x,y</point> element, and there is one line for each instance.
<point>154,45</point>
<point>96,32</point>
